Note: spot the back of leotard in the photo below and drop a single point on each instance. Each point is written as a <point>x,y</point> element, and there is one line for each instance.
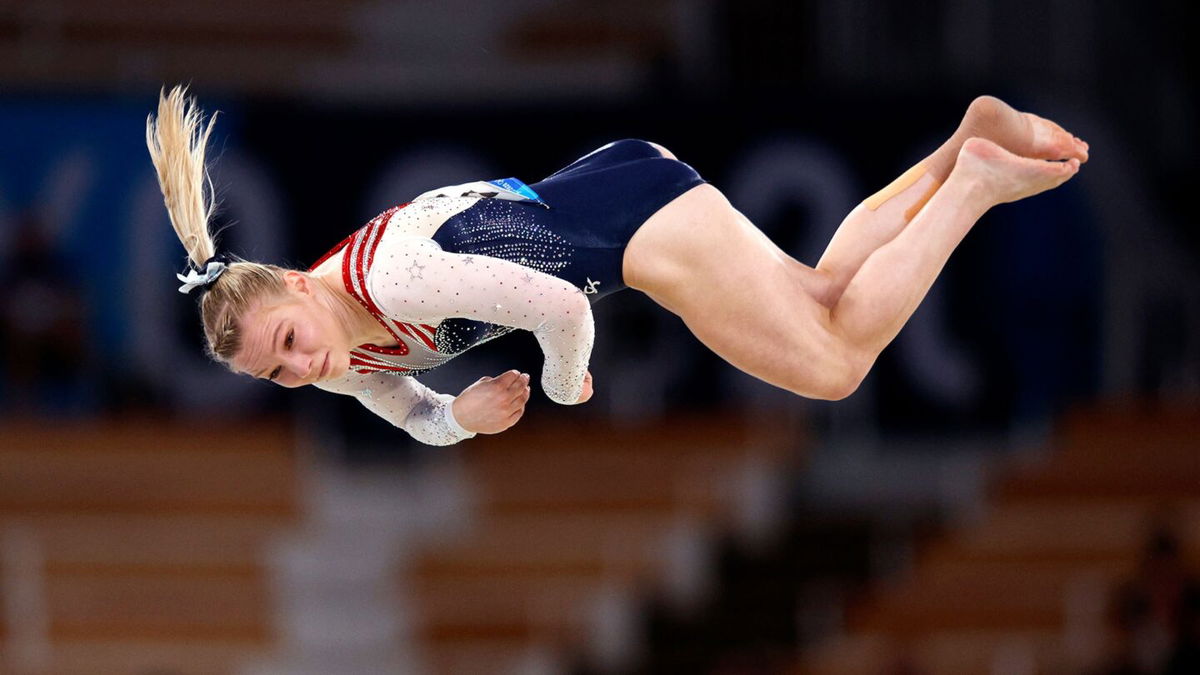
<point>591,210</point>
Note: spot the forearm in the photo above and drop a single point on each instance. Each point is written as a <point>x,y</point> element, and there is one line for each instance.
<point>426,415</point>
<point>433,422</point>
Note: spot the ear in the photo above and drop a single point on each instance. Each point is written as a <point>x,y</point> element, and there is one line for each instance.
<point>297,282</point>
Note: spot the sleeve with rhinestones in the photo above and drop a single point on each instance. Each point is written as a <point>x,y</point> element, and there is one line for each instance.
<point>406,403</point>
<point>417,281</point>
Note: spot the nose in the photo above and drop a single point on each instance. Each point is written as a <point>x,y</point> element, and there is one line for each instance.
<point>301,366</point>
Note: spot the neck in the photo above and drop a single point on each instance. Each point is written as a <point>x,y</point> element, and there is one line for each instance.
<point>361,327</point>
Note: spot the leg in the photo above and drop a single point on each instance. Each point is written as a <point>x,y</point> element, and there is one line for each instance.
<point>743,298</point>
<point>702,260</point>
<point>881,217</point>
<point>895,278</point>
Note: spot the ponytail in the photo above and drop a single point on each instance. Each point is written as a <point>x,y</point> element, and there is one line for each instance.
<point>176,140</point>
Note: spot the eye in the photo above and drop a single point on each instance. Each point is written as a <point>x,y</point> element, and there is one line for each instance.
<point>291,337</point>
<point>275,373</point>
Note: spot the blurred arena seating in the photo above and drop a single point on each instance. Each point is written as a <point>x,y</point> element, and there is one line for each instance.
<point>137,547</point>
<point>571,536</point>
<point>1027,587</point>
<point>90,44</point>
<point>355,49</point>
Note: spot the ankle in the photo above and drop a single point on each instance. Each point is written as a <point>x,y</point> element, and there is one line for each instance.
<point>971,188</point>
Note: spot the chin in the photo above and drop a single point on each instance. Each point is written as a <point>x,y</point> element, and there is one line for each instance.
<point>340,365</point>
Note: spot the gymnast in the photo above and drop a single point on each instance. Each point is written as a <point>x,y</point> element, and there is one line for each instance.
<point>461,265</point>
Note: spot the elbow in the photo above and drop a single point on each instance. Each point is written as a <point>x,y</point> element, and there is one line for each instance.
<point>580,308</point>
<point>560,394</point>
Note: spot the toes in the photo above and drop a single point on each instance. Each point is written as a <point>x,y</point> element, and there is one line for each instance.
<point>1065,146</point>
<point>1081,148</point>
<point>1074,147</point>
<point>1069,147</point>
<point>1051,141</point>
<point>1067,171</point>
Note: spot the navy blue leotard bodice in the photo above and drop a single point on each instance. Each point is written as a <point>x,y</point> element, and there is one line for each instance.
<point>591,210</point>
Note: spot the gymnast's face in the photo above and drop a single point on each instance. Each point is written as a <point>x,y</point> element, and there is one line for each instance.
<point>294,339</point>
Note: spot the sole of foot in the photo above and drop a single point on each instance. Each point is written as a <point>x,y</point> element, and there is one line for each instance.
<point>1005,177</point>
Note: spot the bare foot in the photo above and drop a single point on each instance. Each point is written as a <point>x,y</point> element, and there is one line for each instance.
<point>1005,177</point>
<point>1051,141</point>
<point>1023,134</point>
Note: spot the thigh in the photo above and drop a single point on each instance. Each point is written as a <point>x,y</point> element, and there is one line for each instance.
<point>739,294</point>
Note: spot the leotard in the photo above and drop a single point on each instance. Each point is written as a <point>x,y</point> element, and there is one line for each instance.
<point>465,264</point>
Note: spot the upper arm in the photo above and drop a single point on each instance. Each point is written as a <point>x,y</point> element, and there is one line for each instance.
<point>422,283</point>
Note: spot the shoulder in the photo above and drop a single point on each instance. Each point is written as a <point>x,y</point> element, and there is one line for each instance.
<point>400,274</point>
<point>424,215</point>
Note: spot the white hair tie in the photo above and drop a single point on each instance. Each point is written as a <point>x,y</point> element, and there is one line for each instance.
<point>203,279</point>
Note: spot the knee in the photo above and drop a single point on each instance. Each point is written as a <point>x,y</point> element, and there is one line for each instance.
<point>825,376</point>
<point>843,378</point>
<point>841,387</point>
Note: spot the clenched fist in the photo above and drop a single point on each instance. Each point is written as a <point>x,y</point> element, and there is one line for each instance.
<point>492,404</point>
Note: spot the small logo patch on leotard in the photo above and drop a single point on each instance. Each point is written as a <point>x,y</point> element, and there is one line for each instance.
<point>517,187</point>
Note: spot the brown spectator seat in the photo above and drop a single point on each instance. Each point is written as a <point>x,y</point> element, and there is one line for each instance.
<point>258,44</point>
<point>984,595</point>
<point>566,515</point>
<point>1029,583</point>
<point>149,539</point>
<point>613,479</point>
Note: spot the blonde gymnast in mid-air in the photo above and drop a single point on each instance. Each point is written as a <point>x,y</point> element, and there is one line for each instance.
<point>455,267</point>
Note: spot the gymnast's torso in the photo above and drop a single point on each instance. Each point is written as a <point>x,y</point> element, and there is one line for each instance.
<point>464,264</point>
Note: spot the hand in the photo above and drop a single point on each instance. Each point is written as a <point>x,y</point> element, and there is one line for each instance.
<point>492,404</point>
<point>587,388</point>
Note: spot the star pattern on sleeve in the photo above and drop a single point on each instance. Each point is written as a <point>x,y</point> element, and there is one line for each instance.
<point>444,285</point>
<point>404,402</point>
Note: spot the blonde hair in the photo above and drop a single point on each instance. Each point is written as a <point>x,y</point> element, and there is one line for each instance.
<point>176,140</point>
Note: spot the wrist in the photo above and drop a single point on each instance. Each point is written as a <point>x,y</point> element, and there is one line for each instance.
<point>452,421</point>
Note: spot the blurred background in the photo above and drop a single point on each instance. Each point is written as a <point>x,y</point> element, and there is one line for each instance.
<point>1014,490</point>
